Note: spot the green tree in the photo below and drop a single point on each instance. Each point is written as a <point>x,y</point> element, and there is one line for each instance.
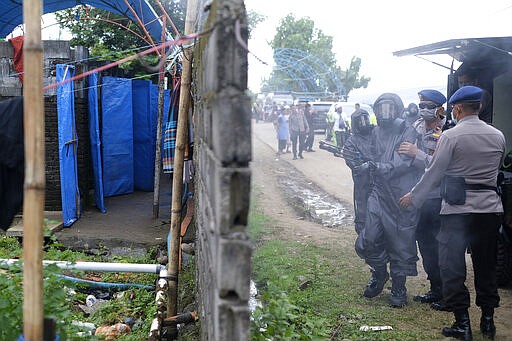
<point>253,19</point>
<point>112,37</point>
<point>301,34</point>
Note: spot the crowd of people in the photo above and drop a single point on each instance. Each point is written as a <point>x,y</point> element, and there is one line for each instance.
<point>429,184</point>
<point>421,182</point>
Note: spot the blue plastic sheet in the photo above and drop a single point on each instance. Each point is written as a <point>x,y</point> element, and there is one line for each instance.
<point>68,146</point>
<point>11,14</point>
<point>94,133</point>
<point>117,135</point>
<point>145,115</point>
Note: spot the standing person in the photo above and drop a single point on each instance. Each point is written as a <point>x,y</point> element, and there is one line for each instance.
<point>340,126</point>
<point>298,129</point>
<point>428,127</point>
<point>468,76</point>
<point>466,165</point>
<point>388,235</point>
<point>282,130</point>
<point>310,139</point>
<point>329,118</point>
<point>356,151</point>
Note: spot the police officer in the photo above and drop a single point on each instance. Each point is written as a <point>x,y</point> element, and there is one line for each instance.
<point>466,164</point>
<point>388,235</point>
<point>356,151</point>
<point>428,126</point>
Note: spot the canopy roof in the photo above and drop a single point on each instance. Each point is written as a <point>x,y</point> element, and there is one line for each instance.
<point>11,14</point>
<point>463,49</point>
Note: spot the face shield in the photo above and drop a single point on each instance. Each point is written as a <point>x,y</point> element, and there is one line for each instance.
<point>386,111</point>
<point>362,123</point>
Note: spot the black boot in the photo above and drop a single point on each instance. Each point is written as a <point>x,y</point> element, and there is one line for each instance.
<point>487,326</point>
<point>431,296</point>
<point>376,283</point>
<point>461,329</point>
<point>440,306</point>
<point>398,298</point>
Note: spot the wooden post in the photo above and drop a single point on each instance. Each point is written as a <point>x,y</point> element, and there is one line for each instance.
<point>158,151</point>
<point>33,202</point>
<point>177,183</point>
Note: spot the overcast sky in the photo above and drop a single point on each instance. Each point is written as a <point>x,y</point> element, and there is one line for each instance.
<point>372,30</point>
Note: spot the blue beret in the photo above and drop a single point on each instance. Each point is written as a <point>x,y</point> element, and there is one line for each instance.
<point>432,95</point>
<point>468,93</point>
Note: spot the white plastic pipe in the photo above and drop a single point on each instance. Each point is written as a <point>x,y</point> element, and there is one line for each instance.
<point>97,266</point>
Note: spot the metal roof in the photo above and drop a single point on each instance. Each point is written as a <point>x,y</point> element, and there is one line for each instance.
<point>462,49</point>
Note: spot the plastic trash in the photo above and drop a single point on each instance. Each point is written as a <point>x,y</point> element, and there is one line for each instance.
<point>90,300</point>
<point>374,328</point>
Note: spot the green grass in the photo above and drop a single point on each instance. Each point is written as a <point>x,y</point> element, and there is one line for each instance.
<point>63,306</point>
<point>336,280</point>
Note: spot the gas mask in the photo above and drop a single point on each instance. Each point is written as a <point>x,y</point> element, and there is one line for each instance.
<point>362,124</point>
<point>386,112</point>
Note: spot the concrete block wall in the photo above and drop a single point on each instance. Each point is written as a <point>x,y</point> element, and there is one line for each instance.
<point>53,200</point>
<point>55,52</point>
<point>222,154</point>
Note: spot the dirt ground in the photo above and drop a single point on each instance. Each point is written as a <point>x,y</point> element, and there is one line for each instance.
<point>127,226</point>
<point>331,175</point>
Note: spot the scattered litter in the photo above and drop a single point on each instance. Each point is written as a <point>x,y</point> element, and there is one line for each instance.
<point>90,300</point>
<point>375,328</point>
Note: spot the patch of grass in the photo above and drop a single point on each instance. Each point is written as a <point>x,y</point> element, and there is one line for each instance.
<point>61,305</point>
<point>327,283</point>
<point>257,221</point>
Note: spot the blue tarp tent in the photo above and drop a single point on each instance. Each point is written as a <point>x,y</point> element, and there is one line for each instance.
<point>145,119</point>
<point>11,14</point>
<point>95,137</point>
<point>68,146</point>
<point>117,136</point>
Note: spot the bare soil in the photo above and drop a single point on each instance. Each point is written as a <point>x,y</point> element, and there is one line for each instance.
<point>330,174</point>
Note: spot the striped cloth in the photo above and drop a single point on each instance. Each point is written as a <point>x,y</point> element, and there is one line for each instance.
<point>169,142</point>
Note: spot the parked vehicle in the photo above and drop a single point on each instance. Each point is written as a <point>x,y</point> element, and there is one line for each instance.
<point>490,59</point>
<point>320,116</point>
<point>280,98</point>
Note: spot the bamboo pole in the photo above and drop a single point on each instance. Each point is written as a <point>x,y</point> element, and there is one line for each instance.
<point>177,183</point>
<point>33,203</point>
<point>158,151</point>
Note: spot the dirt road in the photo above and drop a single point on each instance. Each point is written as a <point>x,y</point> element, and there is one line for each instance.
<point>277,184</point>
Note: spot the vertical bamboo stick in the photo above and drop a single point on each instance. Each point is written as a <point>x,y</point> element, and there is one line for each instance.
<point>33,203</point>
<point>158,151</point>
<point>177,183</point>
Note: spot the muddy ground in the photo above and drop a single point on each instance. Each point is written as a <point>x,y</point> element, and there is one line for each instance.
<point>311,199</point>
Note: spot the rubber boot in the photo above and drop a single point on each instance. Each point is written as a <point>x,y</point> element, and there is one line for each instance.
<point>398,298</point>
<point>376,283</point>
<point>487,326</point>
<point>461,328</point>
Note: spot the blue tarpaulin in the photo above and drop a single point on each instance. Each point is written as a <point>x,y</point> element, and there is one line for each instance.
<point>117,136</point>
<point>94,133</point>
<point>144,134</point>
<point>145,120</point>
<point>68,146</point>
<point>11,14</point>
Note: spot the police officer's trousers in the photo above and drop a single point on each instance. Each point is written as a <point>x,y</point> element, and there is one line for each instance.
<point>426,233</point>
<point>479,232</point>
